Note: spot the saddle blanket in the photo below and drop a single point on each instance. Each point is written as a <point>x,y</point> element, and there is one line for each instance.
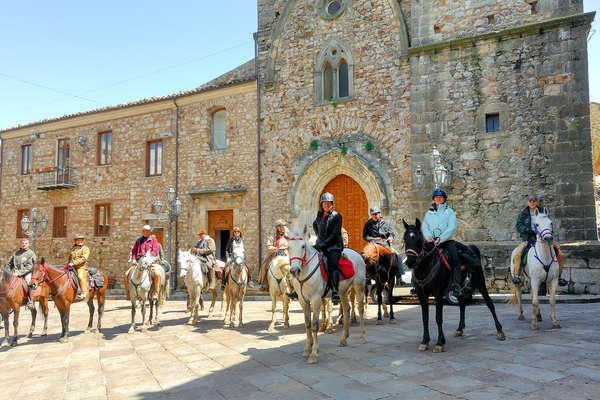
<point>22,283</point>
<point>95,279</point>
<point>345,266</point>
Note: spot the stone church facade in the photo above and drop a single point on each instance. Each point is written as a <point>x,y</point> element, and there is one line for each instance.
<point>348,96</point>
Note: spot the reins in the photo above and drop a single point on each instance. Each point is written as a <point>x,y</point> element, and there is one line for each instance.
<point>305,263</point>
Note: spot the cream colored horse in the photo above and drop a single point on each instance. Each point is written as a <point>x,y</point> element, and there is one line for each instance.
<point>310,286</point>
<point>541,266</point>
<point>236,288</point>
<point>188,255</point>
<point>279,268</point>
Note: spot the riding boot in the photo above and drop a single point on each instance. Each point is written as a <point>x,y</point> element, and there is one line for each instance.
<point>335,279</point>
<point>561,263</point>
<point>224,277</point>
<point>399,270</point>
<point>517,263</point>
<point>212,278</point>
<point>456,281</point>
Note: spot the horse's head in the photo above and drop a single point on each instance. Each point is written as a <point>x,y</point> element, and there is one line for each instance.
<point>38,275</point>
<point>297,246</point>
<point>184,260</point>
<point>147,261</point>
<point>370,254</point>
<point>238,257</point>
<point>543,226</point>
<point>413,242</point>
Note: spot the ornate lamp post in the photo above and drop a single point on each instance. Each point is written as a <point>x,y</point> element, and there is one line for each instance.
<point>173,211</point>
<point>441,176</point>
<point>37,227</point>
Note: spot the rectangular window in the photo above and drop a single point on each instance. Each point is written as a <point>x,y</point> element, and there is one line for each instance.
<point>154,158</point>
<point>104,148</point>
<point>102,227</point>
<point>59,227</point>
<point>20,215</point>
<point>492,123</point>
<point>63,154</point>
<point>26,159</point>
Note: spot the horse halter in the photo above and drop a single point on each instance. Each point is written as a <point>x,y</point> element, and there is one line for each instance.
<point>42,277</point>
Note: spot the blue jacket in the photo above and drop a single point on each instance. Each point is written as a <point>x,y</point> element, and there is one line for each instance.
<point>439,223</point>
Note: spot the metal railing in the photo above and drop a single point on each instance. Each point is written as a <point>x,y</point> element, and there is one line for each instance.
<point>56,178</point>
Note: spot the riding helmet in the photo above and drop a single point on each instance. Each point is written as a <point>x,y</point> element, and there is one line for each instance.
<point>439,192</point>
<point>326,197</point>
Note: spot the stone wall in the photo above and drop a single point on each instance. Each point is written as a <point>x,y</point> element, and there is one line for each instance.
<point>537,81</point>
<point>124,184</point>
<point>595,127</point>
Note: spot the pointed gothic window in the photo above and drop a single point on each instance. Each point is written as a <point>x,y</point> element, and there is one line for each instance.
<point>343,79</point>
<point>219,130</point>
<point>334,73</point>
<point>327,82</point>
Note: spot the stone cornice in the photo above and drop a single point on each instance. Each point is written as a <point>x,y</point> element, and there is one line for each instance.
<point>218,191</point>
<point>94,117</point>
<point>572,20</point>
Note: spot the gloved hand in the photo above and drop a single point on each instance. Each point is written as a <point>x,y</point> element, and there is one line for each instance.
<point>531,238</point>
<point>318,246</point>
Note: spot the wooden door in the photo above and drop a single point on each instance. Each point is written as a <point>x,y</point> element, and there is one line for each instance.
<point>220,220</point>
<point>351,202</point>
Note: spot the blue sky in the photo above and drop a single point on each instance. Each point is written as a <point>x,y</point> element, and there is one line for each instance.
<point>70,56</point>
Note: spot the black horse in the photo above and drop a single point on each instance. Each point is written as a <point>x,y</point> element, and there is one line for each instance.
<point>431,277</point>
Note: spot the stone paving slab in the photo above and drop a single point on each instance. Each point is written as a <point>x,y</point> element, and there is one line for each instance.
<point>210,361</point>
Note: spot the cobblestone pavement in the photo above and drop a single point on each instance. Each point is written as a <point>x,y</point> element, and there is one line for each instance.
<point>208,361</point>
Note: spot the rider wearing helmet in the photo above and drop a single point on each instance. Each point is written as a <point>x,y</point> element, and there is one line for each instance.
<point>439,225</point>
<point>328,228</point>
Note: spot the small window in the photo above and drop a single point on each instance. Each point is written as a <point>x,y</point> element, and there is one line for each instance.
<point>154,158</point>
<point>104,148</point>
<point>343,79</point>
<point>59,227</point>
<point>219,130</point>
<point>26,159</point>
<point>327,82</point>
<point>533,6</point>
<point>492,123</point>
<point>491,19</point>
<point>20,215</point>
<point>334,7</point>
<point>102,223</point>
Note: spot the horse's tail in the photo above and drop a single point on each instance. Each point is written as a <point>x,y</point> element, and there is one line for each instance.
<point>513,300</point>
<point>167,286</point>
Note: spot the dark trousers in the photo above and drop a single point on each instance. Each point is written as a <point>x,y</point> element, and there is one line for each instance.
<point>450,247</point>
<point>332,259</point>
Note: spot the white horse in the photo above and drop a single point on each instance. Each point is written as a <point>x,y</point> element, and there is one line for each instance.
<point>236,287</point>
<point>279,268</point>
<point>140,285</point>
<point>310,286</point>
<point>541,266</point>
<point>188,255</point>
<point>190,270</point>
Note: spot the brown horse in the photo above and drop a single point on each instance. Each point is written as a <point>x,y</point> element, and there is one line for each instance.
<point>13,293</point>
<point>381,266</point>
<point>63,289</point>
<point>99,294</point>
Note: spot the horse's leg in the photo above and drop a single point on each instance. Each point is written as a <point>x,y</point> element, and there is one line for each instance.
<point>132,327</point>
<point>91,310</point>
<point>233,306</point>
<point>425,316</point>
<point>553,286</point>
<point>324,314</point>
<point>272,290</point>
<point>379,302</point>
<point>307,326</point>
<point>100,299</point>
<point>461,323</point>
<point>143,309</point>
<point>329,325</point>
<point>535,303</point>
<point>286,308</point>
<point>16,310</point>
<point>390,291</point>
<point>490,304</point>
<point>345,310</point>
<point>518,293</point>
<point>33,317</point>
<point>353,305</point>
<point>312,359</point>
<point>242,295</point>
<point>439,319</point>
<point>44,307</point>
<point>361,313</point>
<point>6,323</point>
<point>227,298</point>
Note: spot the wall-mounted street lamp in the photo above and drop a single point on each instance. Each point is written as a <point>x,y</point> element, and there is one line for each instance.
<point>173,211</point>
<point>441,176</point>
<point>37,227</point>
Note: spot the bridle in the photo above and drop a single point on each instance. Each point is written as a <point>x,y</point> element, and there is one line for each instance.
<point>44,279</point>
<point>305,262</point>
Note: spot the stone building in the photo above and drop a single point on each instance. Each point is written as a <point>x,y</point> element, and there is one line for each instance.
<point>595,126</point>
<point>350,97</point>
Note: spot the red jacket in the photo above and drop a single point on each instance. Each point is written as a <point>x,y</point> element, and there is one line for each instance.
<point>142,245</point>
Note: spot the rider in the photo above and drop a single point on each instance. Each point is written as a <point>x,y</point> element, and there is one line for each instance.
<point>205,250</point>
<point>526,230</point>
<point>235,242</point>
<point>377,230</point>
<point>21,264</point>
<point>78,259</point>
<point>439,225</point>
<point>140,248</point>
<point>328,227</point>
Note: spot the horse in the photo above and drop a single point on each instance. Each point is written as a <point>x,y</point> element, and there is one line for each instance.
<point>62,283</point>
<point>279,268</point>
<point>381,263</point>
<point>99,294</point>
<point>12,295</point>
<point>140,289</point>
<point>190,271</point>
<point>310,286</point>
<point>235,287</point>
<point>431,276</point>
<point>541,266</point>
<point>189,257</point>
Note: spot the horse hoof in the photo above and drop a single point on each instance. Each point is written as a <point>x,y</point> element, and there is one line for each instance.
<point>362,340</point>
<point>131,330</point>
<point>500,336</point>
<point>305,353</point>
<point>286,325</point>
<point>342,343</point>
<point>87,330</point>
<point>521,317</point>
<point>4,344</point>
<point>392,321</point>
<point>458,333</point>
<point>62,340</point>
<point>539,317</point>
<point>271,328</point>
<point>13,343</point>
<point>379,322</point>
<point>44,334</point>
<point>240,325</point>
<point>438,349</point>
<point>533,326</point>
<point>556,325</point>
<point>30,334</point>
<point>312,359</point>
<point>422,347</point>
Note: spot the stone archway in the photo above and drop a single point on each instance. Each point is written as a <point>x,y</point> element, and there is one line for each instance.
<point>310,184</point>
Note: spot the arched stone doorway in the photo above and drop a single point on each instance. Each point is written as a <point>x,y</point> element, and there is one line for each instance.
<point>351,203</point>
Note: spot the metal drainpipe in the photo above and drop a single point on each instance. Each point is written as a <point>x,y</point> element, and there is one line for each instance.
<point>258,154</point>
<point>176,190</point>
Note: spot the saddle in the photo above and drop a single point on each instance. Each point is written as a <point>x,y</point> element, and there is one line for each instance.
<point>345,266</point>
<point>227,274</point>
<point>95,279</point>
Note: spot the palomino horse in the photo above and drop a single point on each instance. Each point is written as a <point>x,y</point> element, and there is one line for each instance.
<point>310,286</point>
<point>541,266</point>
<point>381,264</point>
<point>279,268</point>
<point>236,287</point>
<point>12,295</point>
<point>190,270</point>
<point>431,276</point>
<point>140,289</point>
<point>190,258</point>
<point>63,288</point>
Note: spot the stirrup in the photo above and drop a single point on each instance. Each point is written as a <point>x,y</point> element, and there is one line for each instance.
<point>517,280</point>
<point>292,295</point>
<point>456,290</point>
<point>335,297</point>
<point>562,281</point>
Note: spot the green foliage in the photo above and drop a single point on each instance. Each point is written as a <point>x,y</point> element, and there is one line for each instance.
<point>344,149</point>
<point>369,146</point>
<point>314,144</point>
